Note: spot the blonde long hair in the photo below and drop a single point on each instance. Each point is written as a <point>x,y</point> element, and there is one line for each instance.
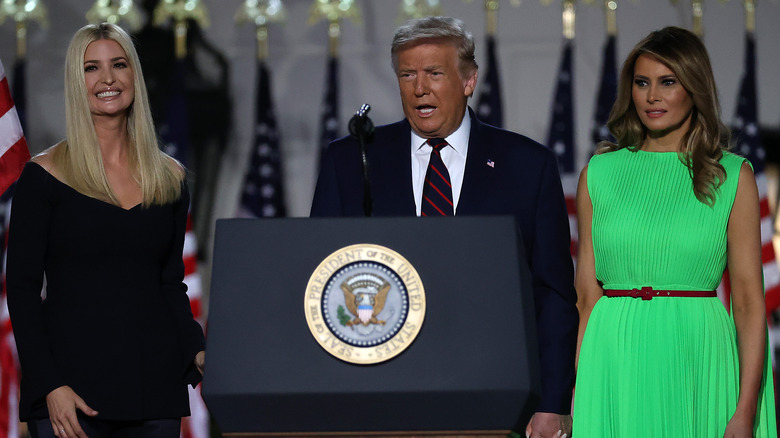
<point>78,160</point>
<point>683,53</point>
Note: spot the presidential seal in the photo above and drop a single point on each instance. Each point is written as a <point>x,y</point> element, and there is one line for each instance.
<point>364,304</point>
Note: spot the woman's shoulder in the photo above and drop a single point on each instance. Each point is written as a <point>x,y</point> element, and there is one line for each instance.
<point>46,160</point>
<point>733,162</point>
<point>607,157</point>
<point>37,178</point>
<point>174,166</point>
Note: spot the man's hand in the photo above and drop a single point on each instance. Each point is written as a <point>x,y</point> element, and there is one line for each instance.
<point>548,425</point>
<point>62,403</point>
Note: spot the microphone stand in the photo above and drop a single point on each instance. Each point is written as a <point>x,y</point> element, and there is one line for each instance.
<point>362,128</point>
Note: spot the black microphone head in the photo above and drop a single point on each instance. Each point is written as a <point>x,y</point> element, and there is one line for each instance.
<point>364,109</point>
<point>360,125</point>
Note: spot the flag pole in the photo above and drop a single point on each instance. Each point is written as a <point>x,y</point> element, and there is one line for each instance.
<point>489,106</point>
<point>21,40</point>
<point>607,90</point>
<point>610,10</point>
<point>262,193</point>
<point>568,17</point>
<point>22,12</point>
<point>261,35</point>
<point>560,137</point>
<point>491,17</point>
<point>750,16</point>
<point>697,8</point>
<point>334,35</point>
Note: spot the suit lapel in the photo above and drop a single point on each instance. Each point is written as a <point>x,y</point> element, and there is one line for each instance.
<point>479,174</point>
<point>391,172</point>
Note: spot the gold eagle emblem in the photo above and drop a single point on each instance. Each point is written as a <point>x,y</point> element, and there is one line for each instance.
<point>365,296</point>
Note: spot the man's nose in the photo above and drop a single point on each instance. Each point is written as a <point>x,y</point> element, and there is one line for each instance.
<point>421,86</point>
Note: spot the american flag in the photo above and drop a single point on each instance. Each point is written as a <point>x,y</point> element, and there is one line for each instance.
<point>746,134</point>
<point>9,361</point>
<point>263,192</point>
<point>607,93</point>
<point>13,146</point>
<point>329,127</point>
<point>13,156</point>
<point>174,131</point>
<point>561,136</point>
<point>489,106</point>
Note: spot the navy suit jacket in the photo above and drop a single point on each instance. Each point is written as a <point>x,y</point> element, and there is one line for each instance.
<point>523,181</point>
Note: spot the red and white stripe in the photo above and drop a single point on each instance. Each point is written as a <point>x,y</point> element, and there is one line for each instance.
<point>9,364</point>
<point>771,270</point>
<point>13,155</point>
<point>191,276</point>
<point>13,146</point>
<point>9,360</point>
<point>9,372</point>
<point>197,424</point>
<point>569,182</point>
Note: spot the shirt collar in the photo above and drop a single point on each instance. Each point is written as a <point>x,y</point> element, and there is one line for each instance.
<point>459,140</point>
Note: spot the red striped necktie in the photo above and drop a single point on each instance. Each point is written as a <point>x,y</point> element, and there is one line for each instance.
<point>437,191</point>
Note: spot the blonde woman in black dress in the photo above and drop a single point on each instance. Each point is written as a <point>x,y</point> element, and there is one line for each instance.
<point>110,350</point>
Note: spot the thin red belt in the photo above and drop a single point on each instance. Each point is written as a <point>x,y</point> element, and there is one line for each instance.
<point>648,293</point>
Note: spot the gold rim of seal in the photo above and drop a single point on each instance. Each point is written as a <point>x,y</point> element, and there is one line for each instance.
<point>365,252</point>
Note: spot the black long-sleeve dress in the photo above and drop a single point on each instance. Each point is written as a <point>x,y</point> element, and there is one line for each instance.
<point>115,324</point>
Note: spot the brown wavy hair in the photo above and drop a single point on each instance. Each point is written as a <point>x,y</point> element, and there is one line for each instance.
<point>702,146</point>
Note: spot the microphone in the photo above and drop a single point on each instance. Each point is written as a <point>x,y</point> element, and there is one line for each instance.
<point>361,128</point>
<point>360,125</point>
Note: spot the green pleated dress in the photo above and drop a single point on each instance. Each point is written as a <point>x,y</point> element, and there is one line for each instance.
<point>665,367</point>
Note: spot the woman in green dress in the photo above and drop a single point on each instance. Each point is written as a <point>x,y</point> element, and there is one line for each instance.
<point>661,214</point>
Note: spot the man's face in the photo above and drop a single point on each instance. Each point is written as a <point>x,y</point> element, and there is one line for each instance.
<point>433,92</point>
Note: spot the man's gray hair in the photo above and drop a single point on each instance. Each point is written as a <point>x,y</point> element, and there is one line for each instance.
<point>445,29</point>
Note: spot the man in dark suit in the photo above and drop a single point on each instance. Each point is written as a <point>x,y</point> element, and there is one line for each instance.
<point>441,160</point>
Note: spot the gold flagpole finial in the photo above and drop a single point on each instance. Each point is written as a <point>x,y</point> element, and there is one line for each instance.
<point>22,12</point>
<point>113,11</point>
<point>334,11</point>
<point>181,11</point>
<point>568,19</point>
<point>491,16</point>
<point>261,13</point>
<point>750,16</point>
<point>697,8</point>
<point>410,9</point>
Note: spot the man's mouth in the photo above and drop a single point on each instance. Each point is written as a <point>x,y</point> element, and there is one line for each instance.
<point>425,110</point>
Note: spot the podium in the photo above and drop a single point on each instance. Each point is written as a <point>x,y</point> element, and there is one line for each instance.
<point>471,371</point>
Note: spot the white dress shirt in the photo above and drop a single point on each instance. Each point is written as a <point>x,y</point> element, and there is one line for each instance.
<point>454,157</point>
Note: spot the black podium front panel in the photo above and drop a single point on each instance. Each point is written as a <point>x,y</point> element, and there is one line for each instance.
<point>474,365</point>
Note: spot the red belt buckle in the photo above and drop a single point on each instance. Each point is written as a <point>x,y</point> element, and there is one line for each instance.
<point>645,293</point>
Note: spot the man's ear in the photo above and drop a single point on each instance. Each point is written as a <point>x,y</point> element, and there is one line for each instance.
<point>470,83</point>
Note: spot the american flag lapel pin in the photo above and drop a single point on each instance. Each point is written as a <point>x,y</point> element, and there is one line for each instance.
<point>491,163</point>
